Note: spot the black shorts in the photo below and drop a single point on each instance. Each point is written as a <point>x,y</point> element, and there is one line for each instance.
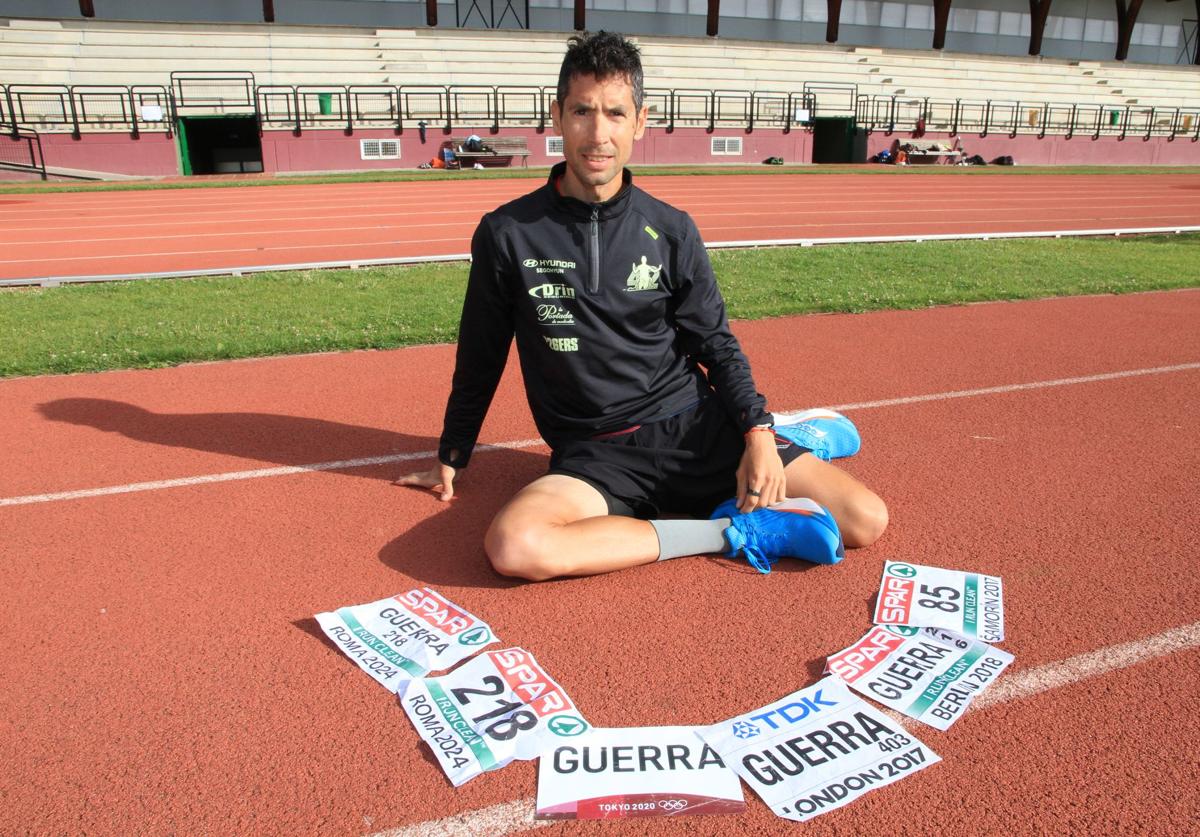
<point>685,464</point>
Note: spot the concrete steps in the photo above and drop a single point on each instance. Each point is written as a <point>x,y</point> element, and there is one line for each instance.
<point>107,52</point>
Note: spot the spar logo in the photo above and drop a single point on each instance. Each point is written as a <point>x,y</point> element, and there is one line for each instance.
<point>435,611</point>
<point>567,726</point>
<point>895,596</point>
<point>479,636</point>
<point>865,654</point>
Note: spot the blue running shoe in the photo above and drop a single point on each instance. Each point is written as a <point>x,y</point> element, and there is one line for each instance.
<point>827,434</point>
<point>798,528</point>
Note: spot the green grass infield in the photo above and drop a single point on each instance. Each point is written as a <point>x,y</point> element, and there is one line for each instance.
<point>162,322</point>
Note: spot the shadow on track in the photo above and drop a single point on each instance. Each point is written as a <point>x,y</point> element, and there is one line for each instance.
<point>446,548</point>
<point>266,437</point>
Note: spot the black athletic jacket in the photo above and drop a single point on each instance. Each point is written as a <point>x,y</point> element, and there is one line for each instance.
<point>613,306</point>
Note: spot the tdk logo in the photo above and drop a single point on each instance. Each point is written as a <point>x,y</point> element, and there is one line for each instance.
<point>794,712</point>
<point>745,729</point>
<point>549,291</point>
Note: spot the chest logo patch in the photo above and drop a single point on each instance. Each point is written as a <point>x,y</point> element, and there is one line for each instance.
<point>552,291</point>
<point>562,344</point>
<point>643,277</point>
<point>554,314</point>
<point>548,265</point>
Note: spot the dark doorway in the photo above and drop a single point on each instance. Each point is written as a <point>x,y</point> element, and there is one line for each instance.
<point>220,144</point>
<point>838,140</point>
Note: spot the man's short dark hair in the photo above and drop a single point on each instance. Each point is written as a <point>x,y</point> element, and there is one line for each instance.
<point>604,55</point>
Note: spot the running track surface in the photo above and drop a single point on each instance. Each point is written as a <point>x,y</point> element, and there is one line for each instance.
<point>163,672</point>
<point>117,233</point>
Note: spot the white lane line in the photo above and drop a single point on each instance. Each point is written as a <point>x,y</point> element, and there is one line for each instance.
<point>504,818</point>
<point>792,205</point>
<point>351,262</point>
<point>272,248</point>
<point>232,476</point>
<point>344,464</point>
<point>1058,382</point>
<point>517,815</point>
<point>712,230</point>
<point>1092,664</point>
<point>399,201</point>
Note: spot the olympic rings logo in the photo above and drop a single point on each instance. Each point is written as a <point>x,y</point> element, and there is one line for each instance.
<point>672,804</point>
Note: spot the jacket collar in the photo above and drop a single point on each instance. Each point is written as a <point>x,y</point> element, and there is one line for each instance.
<point>608,209</point>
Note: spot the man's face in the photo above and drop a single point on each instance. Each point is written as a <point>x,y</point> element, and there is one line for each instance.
<point>599,124</point>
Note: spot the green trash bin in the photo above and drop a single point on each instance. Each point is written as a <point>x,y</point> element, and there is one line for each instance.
<point>325,103</point>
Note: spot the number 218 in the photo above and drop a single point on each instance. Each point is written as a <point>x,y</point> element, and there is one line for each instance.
<point>504,728</point>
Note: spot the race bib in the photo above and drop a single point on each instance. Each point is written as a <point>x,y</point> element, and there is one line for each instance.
<point>635,772</point>
<point>816,750</point>
<point>928,597</point>
<point>498,707</point>
<point>928,674</point>
<point>407,636</point>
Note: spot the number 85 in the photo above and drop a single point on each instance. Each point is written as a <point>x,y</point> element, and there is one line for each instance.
<point>942,598</point>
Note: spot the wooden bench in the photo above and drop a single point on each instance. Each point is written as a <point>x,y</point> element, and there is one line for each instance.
<point>929,152</point>
<point>500,150</point>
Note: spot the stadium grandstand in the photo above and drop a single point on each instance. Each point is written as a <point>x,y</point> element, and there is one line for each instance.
<point>118,88</point>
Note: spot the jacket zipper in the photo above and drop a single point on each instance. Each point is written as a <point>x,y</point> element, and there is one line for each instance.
<point>594,283</point>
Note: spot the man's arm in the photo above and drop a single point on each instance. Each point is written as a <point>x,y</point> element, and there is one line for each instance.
<point>699,312</point>
<point>699,316</point>
<point>484,335</point>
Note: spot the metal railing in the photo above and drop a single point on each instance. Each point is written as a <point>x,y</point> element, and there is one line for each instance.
<point>890,114</point>
<point>445,107</point>
<point>21,150</point>
<point>138,108</point>
<point>1189,53</point>
<point>467,12</point>
<point>836,98</point>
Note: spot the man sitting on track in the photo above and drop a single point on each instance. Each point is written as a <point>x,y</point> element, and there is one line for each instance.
<point>615,309</point>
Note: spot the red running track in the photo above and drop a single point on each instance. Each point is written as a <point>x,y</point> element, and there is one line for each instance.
<point>163,673</point>
<point>115,233</point>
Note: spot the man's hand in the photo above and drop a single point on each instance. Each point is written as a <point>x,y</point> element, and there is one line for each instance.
<point>439,478</point>
<point>760,479</point>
